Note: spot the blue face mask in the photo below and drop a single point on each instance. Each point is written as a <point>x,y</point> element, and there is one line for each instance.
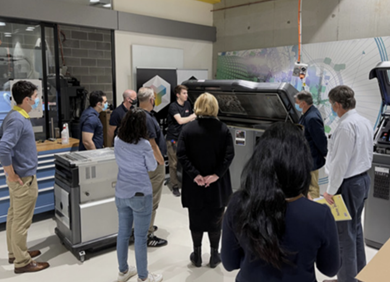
<point>299,109</point>
<point>105,106</point>
<point>36,103</point>
<point>333,112</point>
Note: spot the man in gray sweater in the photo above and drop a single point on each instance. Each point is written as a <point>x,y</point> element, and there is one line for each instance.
<point>18,156</point>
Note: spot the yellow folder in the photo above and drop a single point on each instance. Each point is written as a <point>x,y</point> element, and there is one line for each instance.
<point>338,209</point>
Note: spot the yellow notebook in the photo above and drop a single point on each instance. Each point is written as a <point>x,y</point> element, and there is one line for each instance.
<point>338,209</point>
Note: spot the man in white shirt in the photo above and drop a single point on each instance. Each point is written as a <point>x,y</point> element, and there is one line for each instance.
<point>349,158</point>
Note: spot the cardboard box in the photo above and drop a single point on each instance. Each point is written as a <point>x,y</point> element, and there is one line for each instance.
<point>377,270</point>
<point>105,119</point>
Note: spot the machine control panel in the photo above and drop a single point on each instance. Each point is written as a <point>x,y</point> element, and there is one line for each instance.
<point>384,132</point>
<point>382,136</point>
<point>382,183</point>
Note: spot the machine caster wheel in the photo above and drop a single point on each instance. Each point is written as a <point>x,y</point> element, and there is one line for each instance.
<point>82,256</point>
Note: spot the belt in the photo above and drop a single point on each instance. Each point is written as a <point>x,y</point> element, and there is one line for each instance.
<point>357,175</point>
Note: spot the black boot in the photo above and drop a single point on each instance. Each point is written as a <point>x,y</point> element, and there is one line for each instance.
<point>196,256</point>
<point>215,258</point>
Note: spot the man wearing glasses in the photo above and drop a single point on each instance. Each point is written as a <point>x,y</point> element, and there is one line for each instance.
<point>146,99</point>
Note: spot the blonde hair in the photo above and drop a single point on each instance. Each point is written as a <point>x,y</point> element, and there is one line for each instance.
<point>206,105</point>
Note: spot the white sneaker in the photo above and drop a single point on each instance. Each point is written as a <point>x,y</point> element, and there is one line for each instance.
<point>123,277</point>
<point>152,278</point>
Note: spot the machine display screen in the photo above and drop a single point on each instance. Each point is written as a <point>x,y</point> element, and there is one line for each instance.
<point>248,105</point>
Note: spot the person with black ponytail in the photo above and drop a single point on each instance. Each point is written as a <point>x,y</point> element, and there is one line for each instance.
<point>271,232</point>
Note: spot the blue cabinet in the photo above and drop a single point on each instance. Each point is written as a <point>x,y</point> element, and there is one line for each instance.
<point>45,178</point>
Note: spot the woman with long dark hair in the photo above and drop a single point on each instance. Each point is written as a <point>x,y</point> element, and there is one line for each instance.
<point>133,193</point>
<point>205,151</point>
<point>271,232</point>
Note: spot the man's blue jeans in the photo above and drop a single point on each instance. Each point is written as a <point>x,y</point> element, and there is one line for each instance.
<point>353,257</point>
<point>139,210</point>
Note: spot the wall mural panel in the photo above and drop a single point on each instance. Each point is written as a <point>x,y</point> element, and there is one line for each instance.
<point>330,64</point>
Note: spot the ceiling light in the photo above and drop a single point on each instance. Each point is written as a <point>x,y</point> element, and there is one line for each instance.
<point>8,35</point>
<point>30,28</point>
<point>107,5</point>
<point>2,24</point>
<point>94,1</point>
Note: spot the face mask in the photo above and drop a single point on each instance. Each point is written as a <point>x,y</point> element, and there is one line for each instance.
<point>133,102</point>
<point>333,112</point>
<point>299,109</point>
<point>36,103</point>
<point>105,106</point>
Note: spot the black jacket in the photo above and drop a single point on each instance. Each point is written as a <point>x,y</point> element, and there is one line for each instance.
<point>205,147</point>
<point>315,136</point>
<point>310,236</point>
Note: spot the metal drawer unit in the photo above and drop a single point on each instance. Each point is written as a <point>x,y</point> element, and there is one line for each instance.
<point>45,178</point>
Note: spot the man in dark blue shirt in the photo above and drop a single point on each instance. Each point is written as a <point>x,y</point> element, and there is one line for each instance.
<point>315,136</point>
<point>179,113</point>
<point>91,128</point>
<point>129,101</point>
<point>146,99</point>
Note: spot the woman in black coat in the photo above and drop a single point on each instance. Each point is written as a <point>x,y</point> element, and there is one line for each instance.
<point>205,151</point>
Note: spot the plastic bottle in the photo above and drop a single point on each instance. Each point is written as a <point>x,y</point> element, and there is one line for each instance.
<point>65,134</point>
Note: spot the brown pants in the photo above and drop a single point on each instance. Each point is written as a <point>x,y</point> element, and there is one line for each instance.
<point>172,159</point>
<point>314,189</point>
<point>157,179</point>
<point>19,218</point>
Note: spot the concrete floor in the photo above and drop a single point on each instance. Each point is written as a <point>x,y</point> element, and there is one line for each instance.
<point>172,260</point>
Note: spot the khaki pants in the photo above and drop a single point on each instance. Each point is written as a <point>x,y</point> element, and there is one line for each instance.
<point>314,189</point>
<point>173,165</point>
<point>157,179</point>
<point>19,218</point>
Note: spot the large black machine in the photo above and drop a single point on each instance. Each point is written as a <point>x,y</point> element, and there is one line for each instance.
<point>377,210</point>
<point>248,108</point>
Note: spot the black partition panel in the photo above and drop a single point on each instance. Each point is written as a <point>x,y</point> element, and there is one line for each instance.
<point>169,77</point>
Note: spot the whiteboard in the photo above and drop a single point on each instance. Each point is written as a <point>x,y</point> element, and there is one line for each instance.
<point>154,57</point>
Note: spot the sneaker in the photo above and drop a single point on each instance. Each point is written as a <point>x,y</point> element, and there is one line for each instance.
<point>152,278</point>
<point>123,277</point>
<point>132,239</point>
<point>154,241</point>
<point>176,192</point>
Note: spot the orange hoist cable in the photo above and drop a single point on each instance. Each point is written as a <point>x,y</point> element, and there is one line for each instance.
<point>299,29</point>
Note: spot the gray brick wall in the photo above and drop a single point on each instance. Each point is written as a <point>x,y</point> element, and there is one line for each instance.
<point>87,54</point>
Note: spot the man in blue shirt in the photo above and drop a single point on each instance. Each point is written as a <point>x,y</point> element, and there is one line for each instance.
<point>19,158</point>
<point>129,101</point>
<point>315,136</point>
<point>91,128</point>
<point>146,99</point>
